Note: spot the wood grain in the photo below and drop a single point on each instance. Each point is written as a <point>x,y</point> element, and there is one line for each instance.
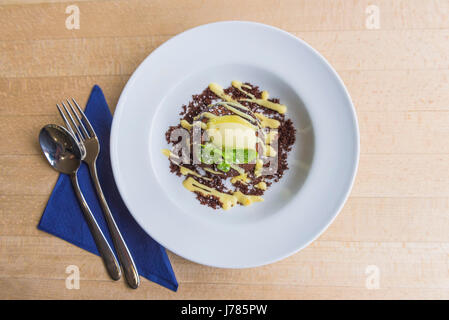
<point>397,217</point>
<point>345,50</point>
<point>142,18</point>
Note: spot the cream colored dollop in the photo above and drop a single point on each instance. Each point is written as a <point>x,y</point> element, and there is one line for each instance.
<point>232,132</point>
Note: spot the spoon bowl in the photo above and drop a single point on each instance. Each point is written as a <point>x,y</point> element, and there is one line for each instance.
<point>60,148</point>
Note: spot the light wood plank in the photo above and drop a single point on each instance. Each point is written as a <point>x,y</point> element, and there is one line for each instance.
<point>25,143</point>
<point>142,18</point>
<point>395,175</point>
<point>380,50</point>
<point>37,96</point>
<point>391,219</point>
<point>21,214</point>
<point>28,2</point>
<point>314,267</point>
<point>345,50</point>
<point>104,56</point>
<point>398,90</point>
<point>23,175</point>
<point>49,289</point>
<point>414,132</point>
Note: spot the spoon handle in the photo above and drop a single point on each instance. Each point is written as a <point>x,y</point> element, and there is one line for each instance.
<point>124,256</point>
<point>102,245</point>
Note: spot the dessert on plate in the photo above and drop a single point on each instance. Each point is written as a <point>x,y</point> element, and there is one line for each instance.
<point>231,144</point>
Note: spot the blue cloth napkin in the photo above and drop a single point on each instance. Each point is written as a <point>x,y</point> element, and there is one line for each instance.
<point>63,216</point>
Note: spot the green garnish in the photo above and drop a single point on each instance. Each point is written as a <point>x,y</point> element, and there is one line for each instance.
<point>223,166</point>
<point>210,154</point>
<point>239,156</point>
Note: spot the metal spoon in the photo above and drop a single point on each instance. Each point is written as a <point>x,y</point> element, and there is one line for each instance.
<point>64,155</point>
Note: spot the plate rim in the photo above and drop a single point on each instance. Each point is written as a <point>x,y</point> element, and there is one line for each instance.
<point>356,156</point>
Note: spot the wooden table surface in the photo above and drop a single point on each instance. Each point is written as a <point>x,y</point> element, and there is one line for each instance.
<point>391,240</point>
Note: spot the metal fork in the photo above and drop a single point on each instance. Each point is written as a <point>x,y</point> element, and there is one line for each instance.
<point>86,137</point>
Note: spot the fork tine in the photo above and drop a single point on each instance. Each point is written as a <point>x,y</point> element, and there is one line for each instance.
<point>73,122</point>
<point>83,116</point>
<point>83,128</point>
<point>67,124</point>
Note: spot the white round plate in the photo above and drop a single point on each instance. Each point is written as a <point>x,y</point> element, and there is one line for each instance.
<point>323,162</point>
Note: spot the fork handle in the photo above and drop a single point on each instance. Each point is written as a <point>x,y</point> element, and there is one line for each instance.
<point>103,247</point>
<point>124,256</point>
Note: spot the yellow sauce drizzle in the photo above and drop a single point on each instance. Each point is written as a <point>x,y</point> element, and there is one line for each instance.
<point>186,171</point>
<point>262,143</point>
<point>266,122</point>
<point>166,152</point>
<point>218,90</point>
<point>231,119</point>
<point>269,105</point>
<point>258,168</point>
<point>246,200</point>
<point>207,115</point>
<point>227,200</point>
<point>270,136</point>
<point>236,111</point>
<point>237,168</point>
<point>269,152</point>
<point>243,178</point>
<point>265,95</point>
<point>169,154</point>
<point>239,85</point>
<point>237,104</point>
<point>186,125</point>
<point>261,185</point>
<point>212,171</point>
